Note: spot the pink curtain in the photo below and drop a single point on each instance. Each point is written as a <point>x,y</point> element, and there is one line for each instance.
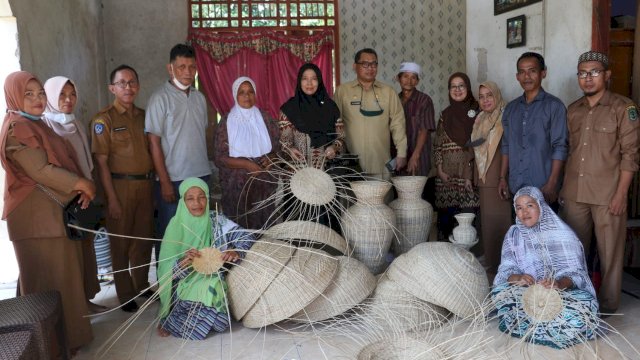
<point>271,59</point>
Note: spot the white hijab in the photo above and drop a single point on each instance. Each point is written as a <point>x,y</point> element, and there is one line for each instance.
<point>66,125</point>
<point>247,132</point>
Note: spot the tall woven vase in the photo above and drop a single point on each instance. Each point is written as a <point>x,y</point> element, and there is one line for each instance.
<point>413,214</point>
<point>368,225</point>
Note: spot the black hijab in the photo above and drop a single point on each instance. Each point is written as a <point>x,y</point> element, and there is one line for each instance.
<point>459,116</point>
<point>314,115</point>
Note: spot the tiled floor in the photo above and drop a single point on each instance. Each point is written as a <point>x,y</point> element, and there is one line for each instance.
<point>140,341</point>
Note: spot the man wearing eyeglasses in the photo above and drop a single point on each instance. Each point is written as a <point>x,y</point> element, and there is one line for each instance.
<point>534,144</point>
<point>370,111</point>
<point>603,156</point>
<point>120,148</point>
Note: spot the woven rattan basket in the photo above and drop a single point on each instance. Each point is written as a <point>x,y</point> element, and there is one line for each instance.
<point>255,273</point>
<point>352,284</point>
<point>442,274</point>
<point>308,230</point>
<point>301,281</point>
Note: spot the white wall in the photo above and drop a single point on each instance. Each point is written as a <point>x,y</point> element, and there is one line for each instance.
<point>559,30</point>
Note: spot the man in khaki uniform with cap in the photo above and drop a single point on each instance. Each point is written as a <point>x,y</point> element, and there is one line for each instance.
<point>603,156</point>
<point>121,150</point>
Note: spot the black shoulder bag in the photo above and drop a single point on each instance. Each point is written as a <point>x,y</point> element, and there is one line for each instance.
<point>73,214</point>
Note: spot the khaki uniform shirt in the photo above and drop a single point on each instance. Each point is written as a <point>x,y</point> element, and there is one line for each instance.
<point>369,136</point>
<point>120,135</point>
<point>603,140</point>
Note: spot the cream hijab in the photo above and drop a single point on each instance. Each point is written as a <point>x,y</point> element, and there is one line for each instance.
<point>67,126</point>
<point>488,126</point>
<point>247,132</point>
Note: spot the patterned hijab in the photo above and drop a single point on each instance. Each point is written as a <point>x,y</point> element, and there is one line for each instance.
<point>488,126</point>
<point>314,115</point>
<point>459,116</point>
<point>184,232</point>
<point>72,130</point>
<point>247,132</point>
<point>548,249</point>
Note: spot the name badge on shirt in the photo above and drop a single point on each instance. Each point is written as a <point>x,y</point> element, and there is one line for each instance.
<point>122,128</point>
<point>356,102</point>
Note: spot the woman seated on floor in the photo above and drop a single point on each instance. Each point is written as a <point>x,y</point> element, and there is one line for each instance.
<point>193,303</point>
<point>540,249</point>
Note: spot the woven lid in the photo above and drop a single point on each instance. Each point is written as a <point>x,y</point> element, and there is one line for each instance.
<point>352,284</point>
<point>303,279</point>
<point>401,349</point>
<point>393,308</point>
<point>443,274</point>
<point>308,230</point>
<point>248,280</point>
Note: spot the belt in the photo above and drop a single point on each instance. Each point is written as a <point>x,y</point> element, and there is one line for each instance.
<point>147,176</point>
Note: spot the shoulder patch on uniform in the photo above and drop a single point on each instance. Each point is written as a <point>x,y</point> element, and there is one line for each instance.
<point>632,111</point>
<point>98,126</point>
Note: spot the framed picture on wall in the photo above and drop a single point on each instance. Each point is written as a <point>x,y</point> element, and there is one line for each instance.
<point>516,31</point>
<point>501,6</point>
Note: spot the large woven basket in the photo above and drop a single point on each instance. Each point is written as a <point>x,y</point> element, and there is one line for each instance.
<point>442,274</point>
<point>352,284</point>
<point>254,274</point>
<point>392,308</point>
<point>303,279</point>
<point>308,230</point>
<point>413,214</point>
<point>401,349</point>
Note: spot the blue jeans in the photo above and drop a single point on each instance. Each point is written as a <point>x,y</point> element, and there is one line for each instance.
<point>166,210</point>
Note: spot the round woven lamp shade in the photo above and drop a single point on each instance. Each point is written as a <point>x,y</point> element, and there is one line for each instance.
<point>401,349</point>
<point>352,284</point>
<point>393,308</point>
<point>442,274</point>
<point>308,230</point>
<point>254,274</point>
<point>301,281</point>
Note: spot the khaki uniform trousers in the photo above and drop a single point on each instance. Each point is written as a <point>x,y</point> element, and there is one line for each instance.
<point>610,233</point>
<point>136,200</point>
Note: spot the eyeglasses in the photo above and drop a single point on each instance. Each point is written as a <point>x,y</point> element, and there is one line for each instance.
<point>592,73</point>
<point>457,87</point>
<point>370,113</point>
<point>368,64</point>
<point>123,84</point>
<point>32,95</point>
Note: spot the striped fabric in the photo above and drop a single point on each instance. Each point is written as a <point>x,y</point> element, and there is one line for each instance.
<point>194,321</point>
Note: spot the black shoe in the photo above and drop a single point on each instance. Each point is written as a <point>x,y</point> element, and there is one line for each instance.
<point>131,307</point>
<point>148,294</point>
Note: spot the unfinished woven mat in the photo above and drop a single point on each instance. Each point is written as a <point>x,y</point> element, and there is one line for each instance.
<point>442,274</point>
<point>308,230</point>
<point>256,272</point>
<point>401,349</point>
<point>352,284</point>
<point>392,308</point>
<point>303,279</point>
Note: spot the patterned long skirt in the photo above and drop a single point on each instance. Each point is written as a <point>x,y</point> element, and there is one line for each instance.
<point>194,321</point>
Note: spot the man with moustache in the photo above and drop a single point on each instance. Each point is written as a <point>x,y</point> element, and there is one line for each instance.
<point>121,150</point>
<point>534,144</point>
<point>603,157</point>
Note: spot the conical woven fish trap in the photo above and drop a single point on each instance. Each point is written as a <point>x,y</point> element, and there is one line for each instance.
<point>255,273</point>
<point>352,284</point>
<point>401,349</point>
<point>313,186</point>
<point>392,308</point>
<point>442,274</point>
<point>301,281</point>
<point>308,230</point>
<point>542,304</point>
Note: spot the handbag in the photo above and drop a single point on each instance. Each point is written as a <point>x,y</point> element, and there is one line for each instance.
<point>74,214</point>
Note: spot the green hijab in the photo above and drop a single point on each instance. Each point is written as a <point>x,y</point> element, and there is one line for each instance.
<point>184,232</point>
